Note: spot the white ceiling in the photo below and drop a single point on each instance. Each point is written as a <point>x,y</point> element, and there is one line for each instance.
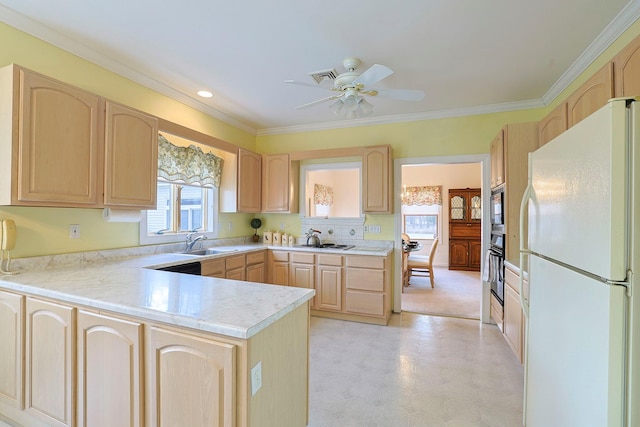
<point>468,56</point>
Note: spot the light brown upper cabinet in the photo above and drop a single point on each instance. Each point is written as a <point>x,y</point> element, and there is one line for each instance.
<point>131,158</point>
<point>626,68</point>
<point>377,179</point>
<point>249,196</point>
<point>593,94</point>
<point>553,124</point>
<point>49,143</point>
<point>53,150</point>
<point>280,178</point>
<point>497,160</point>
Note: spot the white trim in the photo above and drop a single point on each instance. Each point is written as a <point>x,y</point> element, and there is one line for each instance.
<point>484,160</point>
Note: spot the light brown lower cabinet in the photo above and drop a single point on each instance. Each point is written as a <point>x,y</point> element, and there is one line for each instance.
<point>191,380</point>
<point>110,370</point>
<point>132,372</point>
<point>514,319</point>
<point>11,355</point>
<point>50,362</point>
<point>329,282</point>
<point>249,267</point>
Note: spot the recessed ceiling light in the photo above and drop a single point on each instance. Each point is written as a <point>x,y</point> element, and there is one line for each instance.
<point>205,93</point>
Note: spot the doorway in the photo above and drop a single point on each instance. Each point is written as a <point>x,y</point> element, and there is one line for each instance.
<point>456,293</point>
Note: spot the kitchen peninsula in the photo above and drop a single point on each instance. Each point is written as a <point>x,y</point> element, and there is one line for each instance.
<point>120,343</point>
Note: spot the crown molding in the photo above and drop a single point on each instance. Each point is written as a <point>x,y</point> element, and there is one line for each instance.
<point>401,118</point>
<point>627,16</point>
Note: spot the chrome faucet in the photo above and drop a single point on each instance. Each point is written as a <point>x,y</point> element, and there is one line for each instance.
<point>192,241</point>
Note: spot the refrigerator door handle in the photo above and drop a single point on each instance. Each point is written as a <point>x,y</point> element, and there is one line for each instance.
<point>524,251</point>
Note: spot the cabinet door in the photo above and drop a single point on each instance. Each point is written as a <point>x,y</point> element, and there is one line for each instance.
<point>626,68</point>
<point>249,181</point>
<point>302,276</point>
<point>497,160</point>
<point>458,253</point>
<point>329,288</point>
<point>179,365</point>
<point>131,158</point>
<point>255,273</point>
<point>377,176</point>
<point>591,96</point>
<point>279,273</point>
<point>512,322</point>
<point>275,183</point>
<point>458,206</point>
<point>49,390</point>
<point>553,124</point>
<point>11,370</point>
<point>58,160</point>
<point>109,371</point>
<point>475,255</point>
<point>236,274</point>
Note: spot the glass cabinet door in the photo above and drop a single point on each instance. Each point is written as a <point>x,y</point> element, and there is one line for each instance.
<point>458,208</point>
<point>476,208</point>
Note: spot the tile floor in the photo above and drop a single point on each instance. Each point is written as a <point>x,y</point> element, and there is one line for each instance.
<point>418,371</point>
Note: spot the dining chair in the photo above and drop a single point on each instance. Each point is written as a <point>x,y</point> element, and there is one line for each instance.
<point>422,265</point>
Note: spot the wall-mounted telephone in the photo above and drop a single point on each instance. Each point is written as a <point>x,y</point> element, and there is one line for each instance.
<point>7,242</point>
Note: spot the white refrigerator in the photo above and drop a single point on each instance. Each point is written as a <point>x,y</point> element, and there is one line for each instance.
<point>582,246</point>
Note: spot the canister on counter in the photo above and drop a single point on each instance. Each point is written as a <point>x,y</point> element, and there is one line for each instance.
<point>277,238</point>
<point>291,240</point>
<point>267,237</point>
<point>285,239</point>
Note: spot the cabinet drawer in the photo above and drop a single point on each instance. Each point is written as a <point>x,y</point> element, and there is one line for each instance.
<point>214,267</point>
<point>367,280</point>
<point>365,261</point>
<point>328,259</point>
<point>233,262</point>
<point>464,231</point>
<point>365,303</point>
<point>513,281</point>
<point>280,256</point>
<point>303,257</point>
<point>255,257</point>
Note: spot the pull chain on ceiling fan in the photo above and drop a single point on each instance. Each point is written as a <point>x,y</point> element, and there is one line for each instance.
<point>352,85</point>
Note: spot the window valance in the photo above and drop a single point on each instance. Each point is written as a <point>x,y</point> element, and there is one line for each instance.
<point>189,165</point>
<point>422,195</point>
<point>322,195</point>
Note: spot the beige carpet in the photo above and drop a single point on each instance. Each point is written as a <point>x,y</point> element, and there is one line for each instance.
<point>456,294</point>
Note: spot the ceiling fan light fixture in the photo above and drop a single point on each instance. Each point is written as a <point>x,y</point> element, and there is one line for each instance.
<point>364,108</point>
<point>337,107</point>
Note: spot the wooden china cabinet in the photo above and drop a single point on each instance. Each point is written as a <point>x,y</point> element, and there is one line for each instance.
<point>465,215</point>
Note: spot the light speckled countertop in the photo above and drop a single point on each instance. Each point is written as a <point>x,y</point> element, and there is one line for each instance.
<point>131,287</point>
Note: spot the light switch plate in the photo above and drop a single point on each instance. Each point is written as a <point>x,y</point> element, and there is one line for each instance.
<point>256,378</point>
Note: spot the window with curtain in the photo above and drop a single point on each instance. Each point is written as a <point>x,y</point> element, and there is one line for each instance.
<point>421,211</point>
<point>187,191</point>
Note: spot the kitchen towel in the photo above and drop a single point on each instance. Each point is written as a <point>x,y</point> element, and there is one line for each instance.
<point>121,215</point>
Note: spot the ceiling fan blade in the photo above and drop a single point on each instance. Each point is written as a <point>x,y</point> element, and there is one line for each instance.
<point>373,75</point>
<point>324,87</point>
<point>402,94</point>
<point>319,101</point>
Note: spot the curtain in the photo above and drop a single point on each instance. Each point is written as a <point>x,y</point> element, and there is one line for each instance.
<point>189,165</point>
<point>422,195</point>
<point>322,195</point>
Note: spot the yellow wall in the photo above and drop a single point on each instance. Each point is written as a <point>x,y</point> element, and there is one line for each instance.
<point>44,231</point>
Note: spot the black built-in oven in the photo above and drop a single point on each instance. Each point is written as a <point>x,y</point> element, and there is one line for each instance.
<point>497,210</point>
<point>496,265</point>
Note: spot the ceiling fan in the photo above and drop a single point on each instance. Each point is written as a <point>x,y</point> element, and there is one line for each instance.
<point>351,85</point>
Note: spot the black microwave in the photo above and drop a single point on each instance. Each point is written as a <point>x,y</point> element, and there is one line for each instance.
<point>497,209</point>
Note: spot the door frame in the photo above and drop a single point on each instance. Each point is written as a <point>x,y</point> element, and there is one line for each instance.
<point>485,167</point>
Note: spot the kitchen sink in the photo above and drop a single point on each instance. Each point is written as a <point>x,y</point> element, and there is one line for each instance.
<point>209,251</point>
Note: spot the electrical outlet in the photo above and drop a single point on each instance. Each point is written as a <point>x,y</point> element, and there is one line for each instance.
<point>374,229</point>
<point>256,378</point>
<point>74,231</point>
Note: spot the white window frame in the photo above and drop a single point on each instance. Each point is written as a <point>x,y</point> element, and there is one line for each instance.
<point>212,213</point>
